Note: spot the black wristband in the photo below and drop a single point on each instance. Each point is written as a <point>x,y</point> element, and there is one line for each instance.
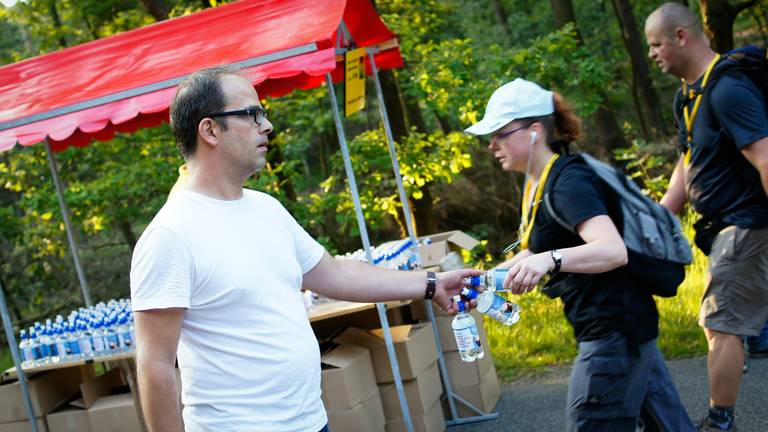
<point>431,285</point>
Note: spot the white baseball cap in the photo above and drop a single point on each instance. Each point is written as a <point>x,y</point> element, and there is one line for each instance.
<point>515,100</point>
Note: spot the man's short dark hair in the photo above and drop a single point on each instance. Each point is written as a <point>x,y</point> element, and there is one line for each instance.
<point>199,95</point>
<point>673,15</point>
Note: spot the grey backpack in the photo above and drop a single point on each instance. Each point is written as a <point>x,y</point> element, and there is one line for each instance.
<point>657,249</point>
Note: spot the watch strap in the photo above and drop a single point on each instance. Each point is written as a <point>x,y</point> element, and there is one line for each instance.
<point>431,285</point>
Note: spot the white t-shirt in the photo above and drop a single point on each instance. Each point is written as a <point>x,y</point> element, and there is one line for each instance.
<point>248,357</point>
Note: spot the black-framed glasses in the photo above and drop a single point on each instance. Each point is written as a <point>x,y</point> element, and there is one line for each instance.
<point>258,114</point>
<point>501,136</point>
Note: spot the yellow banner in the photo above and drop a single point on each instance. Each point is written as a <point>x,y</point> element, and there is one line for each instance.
<point>354,81</point>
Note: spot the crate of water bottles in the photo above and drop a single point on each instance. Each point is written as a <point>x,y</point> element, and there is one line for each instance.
<point>102,330</point>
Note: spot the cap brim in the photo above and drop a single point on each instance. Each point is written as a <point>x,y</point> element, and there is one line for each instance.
<point>487,126</point>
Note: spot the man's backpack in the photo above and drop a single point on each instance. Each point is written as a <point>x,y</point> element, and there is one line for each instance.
<point>750,60</point>
<point>657,249</point>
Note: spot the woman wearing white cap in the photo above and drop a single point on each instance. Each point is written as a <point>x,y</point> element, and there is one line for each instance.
<point>619,377</point>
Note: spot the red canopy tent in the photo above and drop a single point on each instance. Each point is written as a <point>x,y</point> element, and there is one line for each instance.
<point>125,82</point>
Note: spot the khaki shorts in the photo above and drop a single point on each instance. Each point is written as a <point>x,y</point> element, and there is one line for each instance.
<point>736,298</point>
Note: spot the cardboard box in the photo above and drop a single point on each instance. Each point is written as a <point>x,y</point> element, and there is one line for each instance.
<point>347,376</point>
<point>414,347</point>
<point>432,421</point>
<point>448,340</point>
<point>47,390</point>
<point>116,413</point>
<point>464,374</point>
<point>69,419</point>
<point>483,396</point>
<point>368,415</point>
<point>442,243</point>
<point>101,385</point>
<point>23,426</point>
<point>421,393</point>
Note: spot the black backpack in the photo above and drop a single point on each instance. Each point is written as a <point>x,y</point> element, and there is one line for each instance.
<point>750,60</point>
<point>658,251</point>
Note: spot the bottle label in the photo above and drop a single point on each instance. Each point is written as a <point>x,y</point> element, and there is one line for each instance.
<point>125,339</point>
<point>98,344</point>
<point>498,278</point>
<point>465,338</point>
<point>495,311</point>
<point>27,355</point>
<point>62,348</point>
<point>73,348</point>
<point>112,341</point>
<point>86,346</point>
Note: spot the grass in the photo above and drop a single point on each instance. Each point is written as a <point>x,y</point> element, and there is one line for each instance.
<point>543,338</point>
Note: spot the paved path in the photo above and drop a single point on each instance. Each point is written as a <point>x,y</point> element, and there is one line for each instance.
<point>538,404</point>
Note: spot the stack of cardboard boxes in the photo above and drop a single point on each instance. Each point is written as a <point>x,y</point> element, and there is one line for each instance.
<point>102,405</point>
<point>417,359</point>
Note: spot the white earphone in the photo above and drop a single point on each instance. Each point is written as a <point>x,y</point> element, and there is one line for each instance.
<point>534,135</point>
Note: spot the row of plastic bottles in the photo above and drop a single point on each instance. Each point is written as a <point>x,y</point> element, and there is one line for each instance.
<point>489,303</point>
<point>397,255</point>
<point>101,330</point>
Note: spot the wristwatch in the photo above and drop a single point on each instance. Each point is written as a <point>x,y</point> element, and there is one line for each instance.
<point>431,285</point>
<point>557,257</point>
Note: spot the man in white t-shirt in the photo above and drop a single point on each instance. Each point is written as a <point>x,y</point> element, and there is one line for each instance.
<point>216,280</point>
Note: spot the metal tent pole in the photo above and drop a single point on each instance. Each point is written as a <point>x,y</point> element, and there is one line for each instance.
<point>411,232</point>
<point>68,224</point>
<point>22,377</point>
<point>367,246</point>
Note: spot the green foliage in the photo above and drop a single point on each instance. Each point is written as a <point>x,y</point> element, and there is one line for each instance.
<point>649,165</point>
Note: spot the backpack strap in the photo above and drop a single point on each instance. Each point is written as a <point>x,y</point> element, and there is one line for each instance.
<point>553,176</point>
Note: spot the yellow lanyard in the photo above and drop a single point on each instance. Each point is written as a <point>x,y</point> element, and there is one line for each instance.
<point>527,220</point>
<point>690,118</point>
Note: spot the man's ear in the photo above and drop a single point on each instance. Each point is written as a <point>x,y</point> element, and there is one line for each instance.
<point>208,131</point>
<point>681,36</point>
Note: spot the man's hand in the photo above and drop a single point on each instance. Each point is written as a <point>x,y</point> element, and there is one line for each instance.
<point>525,274</point>
<point>450,284</point>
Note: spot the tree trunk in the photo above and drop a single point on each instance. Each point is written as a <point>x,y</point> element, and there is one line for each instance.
<point>650,110</point>
<point>718,17</point>
<point>57,22</point>
<point>609,135</point>
<point>393,103</point>
<point>127,232</point>
<point>159,9</point>
<point>501,15</point>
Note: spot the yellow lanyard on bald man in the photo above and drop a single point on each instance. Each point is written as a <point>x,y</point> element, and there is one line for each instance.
<point>527,219</point>
<point>690,118</point>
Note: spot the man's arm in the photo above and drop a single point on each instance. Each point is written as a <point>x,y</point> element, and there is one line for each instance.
<point>157,337</point>
<point>361,282</point>
<point>757,154</point>
<point>675,198</point>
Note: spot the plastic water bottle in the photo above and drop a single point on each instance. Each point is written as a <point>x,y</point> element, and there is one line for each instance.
<point>496,307</point>
<point>61,343</point>
<point>72,342</point>
<point>124,333</point>
<point>465,332</point>
<point>85,341</point>
<point>47,346</point>
<point>25,348</point>
<point>111,341</point>
<point>34,345</point>
<point>492,280</point>
<point>97,336</point>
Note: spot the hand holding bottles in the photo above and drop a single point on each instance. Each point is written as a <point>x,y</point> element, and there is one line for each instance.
<point>525,274</point>
<point>450,284</point>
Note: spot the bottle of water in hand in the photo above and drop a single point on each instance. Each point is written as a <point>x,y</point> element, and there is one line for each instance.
<point>465,332</point>
<point>494,305</point>
<point>492,280</point>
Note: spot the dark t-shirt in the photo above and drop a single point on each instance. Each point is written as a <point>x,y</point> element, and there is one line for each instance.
<point>721,182</point>
<point>600,303</point>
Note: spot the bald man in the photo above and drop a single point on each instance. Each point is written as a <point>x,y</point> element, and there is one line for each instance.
<point>723,173</point>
